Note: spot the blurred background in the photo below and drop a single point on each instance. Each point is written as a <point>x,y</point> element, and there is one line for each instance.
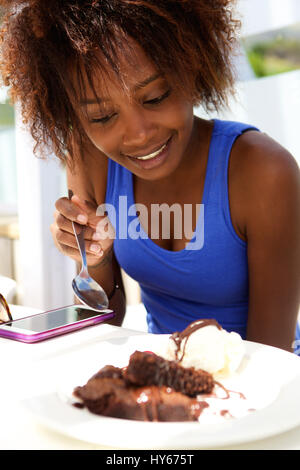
<point>32,271</point>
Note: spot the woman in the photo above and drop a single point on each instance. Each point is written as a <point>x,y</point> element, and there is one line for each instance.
<point>111,86</point>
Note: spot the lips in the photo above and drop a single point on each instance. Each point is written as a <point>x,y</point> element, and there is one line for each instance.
<point>148,155</point>
<point>153,159</point>
<point>152,155</point>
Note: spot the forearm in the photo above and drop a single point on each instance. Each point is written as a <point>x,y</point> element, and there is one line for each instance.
<point>103,272</point>
<point>118,304</point>
<point>107,274</point>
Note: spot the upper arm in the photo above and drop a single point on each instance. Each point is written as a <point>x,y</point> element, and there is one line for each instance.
<point>88,175</point>
<point>87,179</point>
<point>271,197</point>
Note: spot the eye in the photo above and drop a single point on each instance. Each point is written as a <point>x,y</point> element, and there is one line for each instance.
<point>159,99</point>
<point>102,120</point>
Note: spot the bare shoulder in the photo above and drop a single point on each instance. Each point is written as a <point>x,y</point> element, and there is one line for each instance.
<point>256,155</point>
<point>262,173</point>
<point>88,176</point>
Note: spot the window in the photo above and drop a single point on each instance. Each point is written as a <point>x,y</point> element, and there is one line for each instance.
<point>274,52</point>
<point>8,178</point>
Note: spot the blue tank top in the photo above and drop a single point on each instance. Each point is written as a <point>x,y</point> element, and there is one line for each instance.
<point>209,277</point>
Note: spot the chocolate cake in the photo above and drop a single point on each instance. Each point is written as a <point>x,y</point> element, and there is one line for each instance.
<point>150,369</point>
<point>150,388</point>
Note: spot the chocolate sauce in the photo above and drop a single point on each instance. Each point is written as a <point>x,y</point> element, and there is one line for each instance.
<point>226,413</point>
<point>178,337</point>
<point>198,407</point>
<point>148,400</point>
<point>148,396</point>
<point>241,395</point>
<point>225,390</point>
<point>154,403</point>
<point>78,405</point>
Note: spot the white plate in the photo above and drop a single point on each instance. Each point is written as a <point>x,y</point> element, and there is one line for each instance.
<point>268,377</point>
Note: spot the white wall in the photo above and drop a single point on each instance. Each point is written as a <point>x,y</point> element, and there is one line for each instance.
<point>260,15</point>
<point>45,274</point>
<point>272,104</point>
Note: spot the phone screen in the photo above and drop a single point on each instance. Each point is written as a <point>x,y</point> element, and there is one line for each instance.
<point>53,319</point>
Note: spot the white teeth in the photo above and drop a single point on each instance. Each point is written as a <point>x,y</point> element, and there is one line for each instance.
<point>151,155</point>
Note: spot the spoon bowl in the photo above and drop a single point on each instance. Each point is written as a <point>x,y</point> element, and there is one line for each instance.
<point>88,291</point>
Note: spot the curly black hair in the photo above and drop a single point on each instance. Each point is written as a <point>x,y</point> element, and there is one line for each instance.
<point>189,41</point>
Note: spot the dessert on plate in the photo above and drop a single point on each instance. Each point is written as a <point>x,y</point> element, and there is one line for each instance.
<point>170,386</point>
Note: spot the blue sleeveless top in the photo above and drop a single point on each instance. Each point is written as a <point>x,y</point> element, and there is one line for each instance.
<point>209,277</point>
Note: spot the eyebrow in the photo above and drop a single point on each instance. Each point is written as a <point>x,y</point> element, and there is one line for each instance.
<point>148,80</point>
<point>142,84</point>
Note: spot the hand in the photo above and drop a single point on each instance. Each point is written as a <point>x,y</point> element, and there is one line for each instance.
<point>98,244</point>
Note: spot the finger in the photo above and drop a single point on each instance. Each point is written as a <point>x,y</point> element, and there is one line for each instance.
<point>63,241</point>
<point>94,248</point>
<point>62,222</point>
<point>70,252</point>
<point>88,208</point>
<point>66,225</point>
<point>66,239</point>
<point>85,206</point>
<point>71,211</point>
<point>68,246</point>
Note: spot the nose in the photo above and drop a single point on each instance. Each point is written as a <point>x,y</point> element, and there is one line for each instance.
<point>139,130</point>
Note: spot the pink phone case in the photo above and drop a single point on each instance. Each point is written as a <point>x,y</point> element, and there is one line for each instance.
<point>35,337</point>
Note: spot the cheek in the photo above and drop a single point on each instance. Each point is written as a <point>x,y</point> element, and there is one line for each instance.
<point>102,141</point>
<point>181,116</point>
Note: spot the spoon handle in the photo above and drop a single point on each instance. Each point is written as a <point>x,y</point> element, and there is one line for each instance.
<point>79,238</point>
<point>81,243</point>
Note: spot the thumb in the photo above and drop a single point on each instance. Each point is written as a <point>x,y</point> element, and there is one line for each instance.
<point>86,206</point>
<point>89,209</point>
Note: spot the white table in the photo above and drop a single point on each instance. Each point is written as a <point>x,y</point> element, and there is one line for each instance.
<point>28,370</point>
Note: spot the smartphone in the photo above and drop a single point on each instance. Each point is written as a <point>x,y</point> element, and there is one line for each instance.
<point>53,323</point>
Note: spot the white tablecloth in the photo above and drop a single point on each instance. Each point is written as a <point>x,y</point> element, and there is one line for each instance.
<point>28,370</point>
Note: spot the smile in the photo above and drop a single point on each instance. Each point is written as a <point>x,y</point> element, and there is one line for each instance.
<point>152,155</point>
<point>153,159</point>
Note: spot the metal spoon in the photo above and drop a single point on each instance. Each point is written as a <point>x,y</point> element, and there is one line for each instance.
<point>5,314</point>
<point>88,291</point>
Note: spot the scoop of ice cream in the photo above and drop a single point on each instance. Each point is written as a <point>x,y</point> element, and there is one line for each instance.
<point>205,345</point>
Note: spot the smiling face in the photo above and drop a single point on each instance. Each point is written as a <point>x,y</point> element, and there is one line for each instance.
<point>148,128</point>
